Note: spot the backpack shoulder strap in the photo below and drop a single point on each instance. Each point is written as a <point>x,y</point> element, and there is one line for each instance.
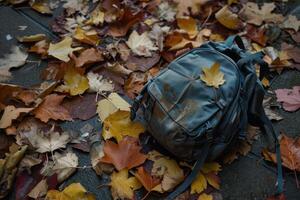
<point>192,176</point>
<point>235,39</point>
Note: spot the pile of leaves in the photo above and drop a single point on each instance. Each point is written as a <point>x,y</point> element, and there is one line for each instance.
<point>109,49</point>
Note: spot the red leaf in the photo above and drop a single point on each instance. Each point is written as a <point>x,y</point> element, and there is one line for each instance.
<point>277,197</point>
<point>146,179</point>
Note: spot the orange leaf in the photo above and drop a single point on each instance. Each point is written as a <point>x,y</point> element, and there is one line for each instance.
<point>126,154</point>
<point>146,179</point>
<point>51,109</point>
<point>189,25</point>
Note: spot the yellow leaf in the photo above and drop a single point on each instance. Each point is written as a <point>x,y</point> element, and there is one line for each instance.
<point>75,191</point>
<point>167,169</point>
<point>62,49</point>
<point>211,167</point>
<point>97,17</point>
<point>265,82</point>
<point>32,38</point>
<point>189,25</point>
<point>122,187</point>
<point>41,6</point>
<point>113,103</point>
<point>213,76</point>
<point>118,125</point>
<point>205,196</point>
<point>228,19</point>
<point>88,37</point>
<point>199,184</point>
<point>74,82</point>
<point>213,180</point>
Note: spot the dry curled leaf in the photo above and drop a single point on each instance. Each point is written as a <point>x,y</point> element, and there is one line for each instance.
<point>125,154</point>
<point>213,76</point>
<point>228,19</point>
<point>51,108</point>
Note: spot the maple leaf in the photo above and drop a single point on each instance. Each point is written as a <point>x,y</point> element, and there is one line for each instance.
<point>50,108</point>
<point>289,97</point>
<point>11,113</point>
<point>88,56</point>
<point>119,125</point>
<point>148,181</point>
<point>289,149</point>
<point>15,58</point>
<point>125,154</point>
<point>74,191</point>
<point>48,143</point>
<point>62,49</point>
<point>32,38</point>
<point>141,44</point>
<point>185,6</point>
<point>166,169</point>
<point>74,82</point>
<point>113,103</point>
<point>228,19</point>
<point>189,25</point>
<point>255,15</point>
<point>122,187</point>
<point>89,37</point>
<point>213,76</point>
<point>97,83</point>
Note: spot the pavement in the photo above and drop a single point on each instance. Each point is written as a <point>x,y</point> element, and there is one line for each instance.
<point>248,178</point>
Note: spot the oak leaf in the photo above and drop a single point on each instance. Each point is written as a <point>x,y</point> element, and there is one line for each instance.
<point>189,25</point>
<point>119,125</point>
<point>113,103</point>
<point>166,169</point>
<point>141,44</point>
<point>11,113</point>
<point>290,155</point>
<point>213,76</point>
<point>228,19</point>
<point>148,181</point>
<point>125,154</point>
<point>74,191</point>
<point>252,14</point>
<point>51,108</point>
<point>289,97</point>
<point>74,82</point>
<point>62,49</point>
<point>122,186</point>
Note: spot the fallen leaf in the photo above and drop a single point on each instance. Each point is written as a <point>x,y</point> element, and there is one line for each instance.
<point>62,49</point>
<point>51,108</point>
<point>11,113</point>
<point>166,169</point>
<point>121,27</point>
<point>141,44</point>
<point>157,34</point>
<point>289,149</point>
<point>39,190</point>
<point>291,51</point>
<point>277,197</point>
<point>271,113</point>
<point>122,186</point>
<point>213,76</point>
<point>113,103</point>
<point>185,7</point>
<point>257,34</point>
<point>205,196</point>
<point>40,47</point>
<point>119,125</point>
<point>15,58</point>
<point>89,37</point>
<point>81,107</point>
<point>138,63</point>
<point>88,56</point>
<point>32,38</point>
<point>166,11</point>
<point>125,154</point>
<point>96,17</point>
<point>291,22</point>
<point>48,143</point>
<point>42,6</point>
<point>99,84</point>
<point>199,184</point>
<point>74,82</point>
<point>148,181</point>
<point>228,19</point>
<point>290,98</point>
<point>135,83</point>
<point>252,14</point>
<point>189,25</point>
<point>74,191</point>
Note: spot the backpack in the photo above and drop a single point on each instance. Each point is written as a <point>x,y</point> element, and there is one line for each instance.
<point>196,122</point>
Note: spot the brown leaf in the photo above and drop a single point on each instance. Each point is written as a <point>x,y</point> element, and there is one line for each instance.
<point>88,56</point>
<point>81,107</point>
<point>121,27</point>
<point>51,108</point>
<point>292,51</point>
<point>228,19</point>
<point>143,64</point>
<point>184,7</point>
<point>126,154</point>
<point>290,155</point>
<point>135,83</point>
<point>146,179</point>
<point>11,113</point>
<point>257,35</point>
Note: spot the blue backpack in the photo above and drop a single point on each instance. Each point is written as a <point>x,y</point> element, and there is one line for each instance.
<point>196,122</point>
